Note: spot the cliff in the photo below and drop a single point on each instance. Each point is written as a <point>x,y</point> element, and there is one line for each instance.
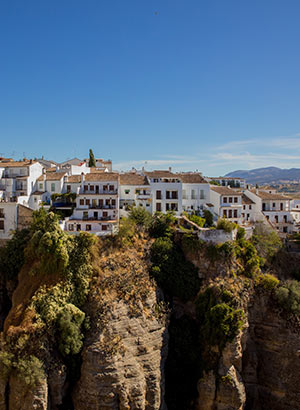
<point>147,321</point>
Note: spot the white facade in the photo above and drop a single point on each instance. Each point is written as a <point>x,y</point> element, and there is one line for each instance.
<point>195,192</point>
<point>227,203</point>
<point>97,205</point>
<point>8,219</point>
<point>228,181</point>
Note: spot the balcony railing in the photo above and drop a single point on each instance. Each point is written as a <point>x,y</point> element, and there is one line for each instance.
<point>100,192</point>
<point>102,218</point>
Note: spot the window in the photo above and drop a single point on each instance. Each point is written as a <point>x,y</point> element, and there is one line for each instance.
<point>174,195</point>
<point>184,194</point>
<point>193,194</point>
<point>224,213</point>
<point>244,207</point>
<point>225,199</point>
<point>113,202</point>
<point>230,199</point>
<point>230,213</point>
<point>1,212</point>
<point>53,187</point>
<point>274,204</point>
<point>138,191</point>
<point>202,196</point>
<point>2,225</point>
<point>104,227</point>
<point>250,206</point>
<point>158,194</point>
<point>127,191</point>
<point>81,201</point>
<point>85,187</point>
<point>168,195</point>
<point>68,188</point>
<point>92,187</point>
<point>71,227</point>
<point>158,207</point>
<point>235,199</point>
<point>111,187</point>
<point>40,185</point>
<point>235,213</point>
<point>105,188</point>
<point>87,201</point>
<point>85,215</point>
<point>88,227</point>
<point>248,216</point>
<point>78,227</point>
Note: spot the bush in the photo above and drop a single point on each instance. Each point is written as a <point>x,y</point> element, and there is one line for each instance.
<point>69,323</point>
<point>30,369</point>
<point>226,225</point>
<point>266,242</point>
<point>6,364</point>
<point>162,224</point>
<point>219,320</point>
<point>12,254</point>
<point>176,275</point>
<point>267,281</point>
<point>197,220</point>
<point>209,219</point>
<point>288,297</point>
<point>141,217</point>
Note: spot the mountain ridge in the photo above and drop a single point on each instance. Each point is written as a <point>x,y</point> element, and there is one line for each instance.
<point>267,175</point>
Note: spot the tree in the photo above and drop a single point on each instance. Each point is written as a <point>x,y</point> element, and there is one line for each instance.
<point>92,161</point>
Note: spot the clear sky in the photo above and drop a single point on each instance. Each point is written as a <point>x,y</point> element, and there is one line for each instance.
<point>212,85</point>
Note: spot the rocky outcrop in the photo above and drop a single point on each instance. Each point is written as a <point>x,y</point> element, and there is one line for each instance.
<point>122,366</point>
<point>25,397</point>
<point>271,364</point>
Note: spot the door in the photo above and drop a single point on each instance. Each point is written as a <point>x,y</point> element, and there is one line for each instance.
<point>94,203</point>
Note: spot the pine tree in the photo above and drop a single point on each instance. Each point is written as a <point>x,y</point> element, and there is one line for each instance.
<point>92,161</point>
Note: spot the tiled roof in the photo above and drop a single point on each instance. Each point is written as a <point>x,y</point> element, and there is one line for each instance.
<point>246,200</point>
<point>52,169</point>
<point>102,176</point>
<point>16,164</point>
<point>161,174</point>
<point>133,179</point>
<point>267,196</point>
<point>74,179</point>
<point>55,176</point>
<point>223,190</point>
<point>192,178</point>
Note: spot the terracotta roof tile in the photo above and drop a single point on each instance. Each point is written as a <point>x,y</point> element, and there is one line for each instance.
<point>246,200</point>
<point>74,179</point>
<point>223,190</point>
<point>192,178</point>
<point>55,176</point>
<point>133,179</point>
<point>102,176</point>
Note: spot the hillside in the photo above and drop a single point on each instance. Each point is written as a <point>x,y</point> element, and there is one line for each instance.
<point>150,319</point>
<point>267,175</point>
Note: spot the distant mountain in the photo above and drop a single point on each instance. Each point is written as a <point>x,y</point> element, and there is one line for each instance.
<point>267,175</point>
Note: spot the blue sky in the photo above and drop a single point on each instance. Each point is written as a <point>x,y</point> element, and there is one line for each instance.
<point>193,84</point>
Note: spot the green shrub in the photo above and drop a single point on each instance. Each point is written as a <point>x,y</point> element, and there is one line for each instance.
<point>12,254</point>
<point>197,220</point>
<point>172,271</point>
<point>288,296</point>
<point>226,225</point>
<point>240,233</point>
<point>162,225</point>
<point>266,242</point>
<point>30,369</point>
<point>219,320</point>
<point>141,217</point>
<point>208,216</point>
<point>69,322</point>
<point>6,364</point>
<point>267,281</point>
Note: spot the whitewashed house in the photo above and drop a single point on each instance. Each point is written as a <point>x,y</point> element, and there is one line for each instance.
<point>227,203</point>
<point>228,181</point>
<point>135,190</point>
<point>195,191</point>
<point>166,190</point>
<point>97,205</point>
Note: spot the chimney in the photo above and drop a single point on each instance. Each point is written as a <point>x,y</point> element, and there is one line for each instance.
<point>170,169</point>
<point>82,177</point>
<point>30,162</point>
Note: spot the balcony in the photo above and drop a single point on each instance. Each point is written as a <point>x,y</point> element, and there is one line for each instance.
<point>143,196</point>
<point>97,207</point>
<point>83,192</point>
<point>93,219</point>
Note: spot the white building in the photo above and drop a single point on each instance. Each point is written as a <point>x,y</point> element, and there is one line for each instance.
<point>228,181</point>
<point>13,216</point>
<point>97,205</point>
<point>227,203</point>
<point>135,190</point>
<point>18,178</point>
<point>166,190</point>
<point>195,191</point>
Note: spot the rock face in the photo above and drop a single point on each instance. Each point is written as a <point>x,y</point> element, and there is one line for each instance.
<point>271,364</point>
<point>122,369</point>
